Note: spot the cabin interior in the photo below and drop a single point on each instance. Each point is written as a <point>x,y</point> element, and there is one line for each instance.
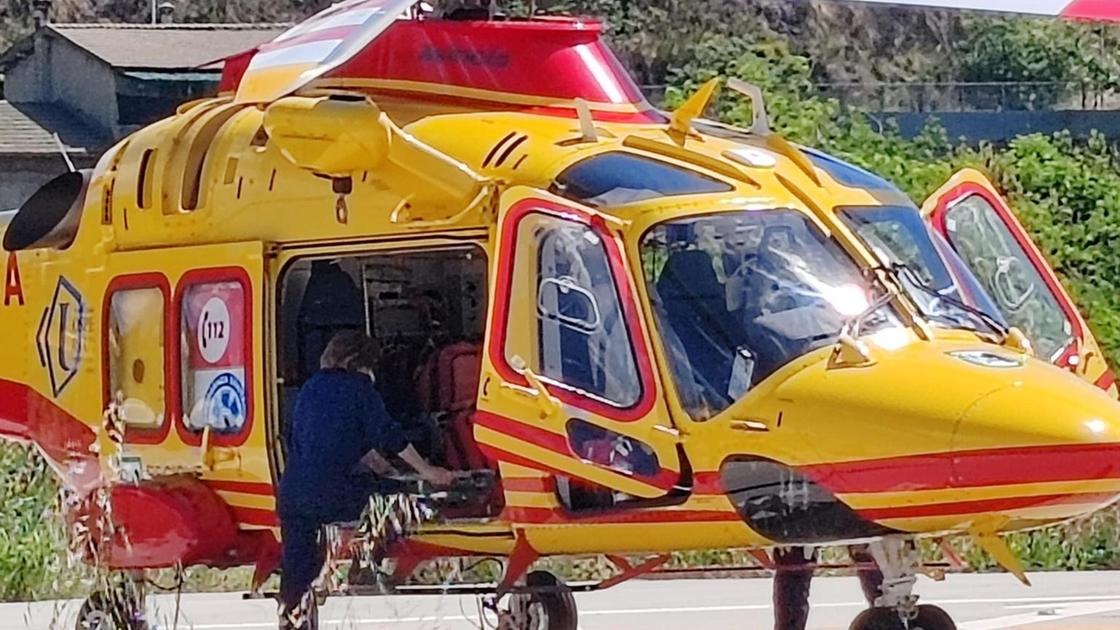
<point>426,312</point>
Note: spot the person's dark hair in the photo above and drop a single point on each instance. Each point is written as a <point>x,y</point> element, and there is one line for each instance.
<point>349,350</point>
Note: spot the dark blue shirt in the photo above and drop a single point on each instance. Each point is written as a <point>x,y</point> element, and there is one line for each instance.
<point>339,416</point>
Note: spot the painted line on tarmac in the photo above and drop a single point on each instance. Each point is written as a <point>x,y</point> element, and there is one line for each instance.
<point>1045,602</point>
<point>335,622</point>
<point>1089,605</point>
<point>1027,619</point>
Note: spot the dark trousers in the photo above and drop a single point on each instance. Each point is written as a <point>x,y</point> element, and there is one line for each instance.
<point>303,557</point>
<point>301,521</point>
<point>794,575</point>
<point>792,578</point>
<point>303,551</point>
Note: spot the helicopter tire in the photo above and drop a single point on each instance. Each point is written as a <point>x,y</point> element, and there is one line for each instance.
<point>554,608</point>
<point>928,618</point>
<point>100,612</point>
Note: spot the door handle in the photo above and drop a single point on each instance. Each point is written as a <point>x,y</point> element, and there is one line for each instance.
<point>751,426</point>
<point>214,457</point>
<point>549,405</point>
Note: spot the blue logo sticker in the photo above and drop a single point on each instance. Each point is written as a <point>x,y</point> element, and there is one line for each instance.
<point>225,403</point>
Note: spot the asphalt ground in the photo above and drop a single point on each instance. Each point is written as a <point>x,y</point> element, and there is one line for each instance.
<point>1057,601</point>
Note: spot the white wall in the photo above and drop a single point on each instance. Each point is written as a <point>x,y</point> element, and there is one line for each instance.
<point>60,72</point>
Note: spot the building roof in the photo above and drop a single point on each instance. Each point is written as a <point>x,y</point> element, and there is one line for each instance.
<point>25,129</point>
<point>166,46</point>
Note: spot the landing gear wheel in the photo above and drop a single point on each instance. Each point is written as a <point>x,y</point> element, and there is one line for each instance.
<point>932,618</point>
<point>101,611</point>
<point>928,618</point>
<point>554,608</point>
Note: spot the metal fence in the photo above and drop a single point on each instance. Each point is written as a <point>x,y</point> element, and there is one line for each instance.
<point>960,97</point>
<point>973,97</point>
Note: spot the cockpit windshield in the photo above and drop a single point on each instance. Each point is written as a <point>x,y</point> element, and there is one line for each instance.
<point>738,295</point>
<point>937,281</point>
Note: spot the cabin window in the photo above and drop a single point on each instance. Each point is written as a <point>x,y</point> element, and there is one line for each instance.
<point>215,354</point>
<point>899,237</point>
<point>616,178</point>
<point>566,321</point>
<point>134,342</point>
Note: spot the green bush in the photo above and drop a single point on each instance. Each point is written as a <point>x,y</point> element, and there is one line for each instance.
<point>33,559</point>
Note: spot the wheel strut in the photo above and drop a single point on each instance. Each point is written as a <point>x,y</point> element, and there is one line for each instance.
<point>896,607</point>
<point>899,560</point>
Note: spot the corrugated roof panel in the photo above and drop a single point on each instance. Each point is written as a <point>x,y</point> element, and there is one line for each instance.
<point>25,128</point>
<point>166,46</point>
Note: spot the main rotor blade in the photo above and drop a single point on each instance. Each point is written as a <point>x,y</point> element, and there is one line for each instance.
<point>1075,9</point>
<point>316,46</point>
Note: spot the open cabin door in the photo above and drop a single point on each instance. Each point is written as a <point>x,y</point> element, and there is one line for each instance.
<point>568,386</point>
<point>979,225</point>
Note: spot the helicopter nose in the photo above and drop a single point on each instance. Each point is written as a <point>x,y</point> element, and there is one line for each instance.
<point>1048,444</point>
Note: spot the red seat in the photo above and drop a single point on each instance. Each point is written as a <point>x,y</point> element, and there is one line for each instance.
<point>448,383</point>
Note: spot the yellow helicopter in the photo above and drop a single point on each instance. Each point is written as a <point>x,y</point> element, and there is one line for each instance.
<point>630,333</point>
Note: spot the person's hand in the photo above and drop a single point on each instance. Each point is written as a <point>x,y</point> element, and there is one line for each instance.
<point>378,464</point>
<point>439,477</point>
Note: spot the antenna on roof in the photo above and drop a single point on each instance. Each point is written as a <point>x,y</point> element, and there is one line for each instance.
<point>65,155</point>
<point>760,120</point>
<point>586,122</point>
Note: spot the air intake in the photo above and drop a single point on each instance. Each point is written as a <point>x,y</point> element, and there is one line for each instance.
<point>50,217</point>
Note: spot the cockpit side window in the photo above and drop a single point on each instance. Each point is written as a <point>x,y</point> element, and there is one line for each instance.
<point>573,332</point>
<point>618,177</point>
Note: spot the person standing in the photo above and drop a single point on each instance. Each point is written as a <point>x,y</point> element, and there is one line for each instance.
<point>339,438</point>
<point>793,576</point>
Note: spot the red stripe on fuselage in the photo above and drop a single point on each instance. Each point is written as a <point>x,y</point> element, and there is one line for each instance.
<point>14,403</point>
<point>242,487</point>
<point>538,437</point>
<point>1107,380</point>
<point>1006,504</point>
<point>665,479</point>
<point>255,516</point>
<point>971,469</point>
<point>529,484</point>
<point>965,469</point>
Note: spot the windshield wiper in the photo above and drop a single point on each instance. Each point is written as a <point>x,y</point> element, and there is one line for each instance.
<point>853,325</point>
<point>898,270</point>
